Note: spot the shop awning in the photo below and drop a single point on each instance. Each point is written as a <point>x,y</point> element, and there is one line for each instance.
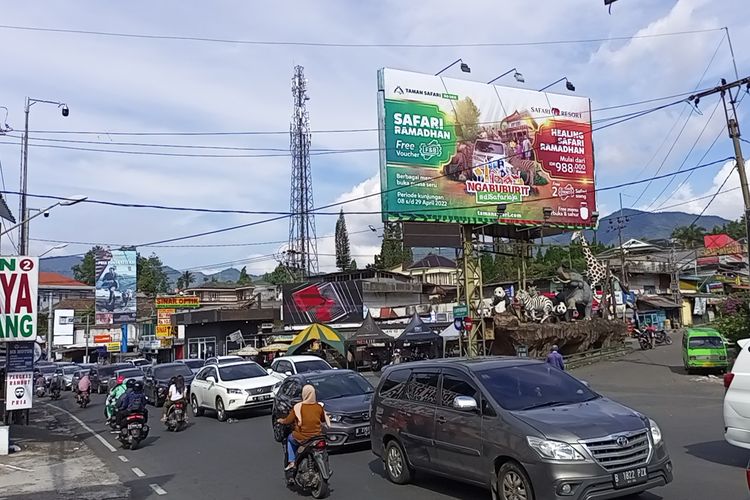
<point>316,331</point>
<point>369,333</point>
<point>656,302</point>
<point>418,332</point>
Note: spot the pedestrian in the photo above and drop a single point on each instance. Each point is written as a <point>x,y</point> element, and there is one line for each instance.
<point>555,359</point>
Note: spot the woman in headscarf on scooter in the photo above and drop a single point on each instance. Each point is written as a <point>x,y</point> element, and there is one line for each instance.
<point>307,417</point>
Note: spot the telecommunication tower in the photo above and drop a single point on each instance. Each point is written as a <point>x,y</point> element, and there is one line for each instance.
<point>302,254</point>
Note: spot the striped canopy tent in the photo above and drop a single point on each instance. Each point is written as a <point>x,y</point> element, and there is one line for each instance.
<point>316,331</point>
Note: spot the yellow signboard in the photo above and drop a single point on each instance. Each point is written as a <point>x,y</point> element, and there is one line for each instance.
<point>113,347</point>
<point>166,343</point>
<point>178,302</point>
<point>163,331</point>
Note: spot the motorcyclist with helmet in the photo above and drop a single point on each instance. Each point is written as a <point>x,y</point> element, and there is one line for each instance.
<point>115,394</point>
<point>132,402</point>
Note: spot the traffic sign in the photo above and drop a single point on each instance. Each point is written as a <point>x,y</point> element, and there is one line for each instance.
<point>458,323</point>
<point>468,322</point>
<point>460,311</point>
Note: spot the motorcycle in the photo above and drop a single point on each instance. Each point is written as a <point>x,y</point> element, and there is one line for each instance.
<point>82,398</point>
<point>134,431</point>
<point>312,471</point>
<point>662,338</point>
<point>40,390</point>
<point>176,417</point>
<point>375,363</point>
<point>643,340</point>
<point>54,393</point>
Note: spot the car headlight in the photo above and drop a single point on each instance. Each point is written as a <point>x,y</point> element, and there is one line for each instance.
<point>335,418</point>
<point>234,391</point>
<point>655,432</point>
<point>553,450</point>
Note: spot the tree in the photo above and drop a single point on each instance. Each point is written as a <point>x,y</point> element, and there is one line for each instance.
<point>353,265</point>
<point>734,317</point>
<point>466,115</point>
<point>689,236</point>
<point>282,274</point>
<point>185,280</point>
<point>244,278</point>
<point>343,253</point>
<point>152,280</point>
<point>735,229</point>
<point>392,250</point>
<point>85,272</point>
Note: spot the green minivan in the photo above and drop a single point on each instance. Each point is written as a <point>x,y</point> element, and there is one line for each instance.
<point>704,348</point>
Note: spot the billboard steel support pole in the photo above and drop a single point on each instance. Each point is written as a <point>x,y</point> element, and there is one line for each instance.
<point>470,289</point>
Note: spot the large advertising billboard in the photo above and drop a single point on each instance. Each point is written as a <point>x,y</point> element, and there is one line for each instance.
<point>323,302</point>
<point>462,151</point>
<point>19,284</point>
<point>115,286</point>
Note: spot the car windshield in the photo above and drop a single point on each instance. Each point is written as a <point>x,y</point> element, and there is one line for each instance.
<point>239,372</point>
<point>339,385</point>
<point>193,363</point>
<point>233,359</point>
<point>141,362</point>
<point>109,370</point>
<point>47,369</point>
<point>133,372</point>
<point>312,365</point>
<point>69,370</point>
<point>169,371</point>
<point>705,342</point>
<point>528,386</point>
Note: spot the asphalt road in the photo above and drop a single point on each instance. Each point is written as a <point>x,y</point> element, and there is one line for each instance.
<point>240,460</point>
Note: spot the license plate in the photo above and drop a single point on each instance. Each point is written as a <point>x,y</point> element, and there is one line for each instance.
<point>362,431</point>
<point>630,477</point>
<point>134,426</point>
<point>263,397</point>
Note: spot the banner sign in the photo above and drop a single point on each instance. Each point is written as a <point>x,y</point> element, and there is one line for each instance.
<point>179,302</point>
<point>336,302</point>
<point>19,388</point>
<point>113,347</point>
<point>453,150</point>
<point>20,357</point>
<point>163,331</point>
<point>19,280</point>
<point>102,339</point>
<point>115,286</point>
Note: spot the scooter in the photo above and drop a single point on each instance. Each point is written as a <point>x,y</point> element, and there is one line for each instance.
<point>54,393</point>
<point>643,340</point>
<point>40,390</point>
<point>134,431</point>
<point>311,471</point>
<point>662,338</point>
<point>176,417</point>
<point>82,398</point>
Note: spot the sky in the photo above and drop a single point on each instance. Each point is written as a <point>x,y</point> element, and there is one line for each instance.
<point>133,85</point>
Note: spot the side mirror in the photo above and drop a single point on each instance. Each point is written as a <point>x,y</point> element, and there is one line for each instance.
<point>464,403</point>
<point>288,373</point>
<point>584,382</point>
<point>211,379</point>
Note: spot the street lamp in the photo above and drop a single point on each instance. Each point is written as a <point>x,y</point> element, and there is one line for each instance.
<point>464,67</point>
<point>65,202</point>
<point>23,243</point>
<point>518,76</point>
<point>56,247</point>
<point>568,84</point>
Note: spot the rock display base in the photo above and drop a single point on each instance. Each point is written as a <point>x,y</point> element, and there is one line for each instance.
<point>570,337</point>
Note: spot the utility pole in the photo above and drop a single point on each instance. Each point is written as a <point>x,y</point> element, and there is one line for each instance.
<point>620,222</point>
<point>49,327</point>
<point>733,127</point>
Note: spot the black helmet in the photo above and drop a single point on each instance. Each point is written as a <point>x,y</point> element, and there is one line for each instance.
<point>138,386</point>
<point>130,383</point>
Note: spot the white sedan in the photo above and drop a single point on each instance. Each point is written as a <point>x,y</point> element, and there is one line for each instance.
<point>231,387</point>
<point>285,366</point>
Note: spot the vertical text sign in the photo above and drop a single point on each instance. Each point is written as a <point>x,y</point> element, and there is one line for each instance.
<point>19,283</point>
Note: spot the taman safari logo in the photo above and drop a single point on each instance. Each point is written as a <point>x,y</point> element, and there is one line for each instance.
<point>430,150</point>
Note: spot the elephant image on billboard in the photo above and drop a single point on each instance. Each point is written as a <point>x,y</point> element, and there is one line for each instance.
<point>116,272</point>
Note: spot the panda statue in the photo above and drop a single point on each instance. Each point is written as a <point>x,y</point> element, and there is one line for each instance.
<point>500,301</point>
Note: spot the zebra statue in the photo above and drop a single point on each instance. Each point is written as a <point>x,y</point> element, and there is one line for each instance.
<point>533,304</point>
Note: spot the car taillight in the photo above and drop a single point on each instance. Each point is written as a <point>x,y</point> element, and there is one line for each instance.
<point>320,444</point>
<point>728,377</point>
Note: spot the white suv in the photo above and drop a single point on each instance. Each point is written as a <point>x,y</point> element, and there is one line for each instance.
<point>737,399</point>
<point>285,366</point>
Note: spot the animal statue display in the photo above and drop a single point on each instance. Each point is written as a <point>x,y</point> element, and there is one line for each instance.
<point>501,303</point>
<point>534,304</point>
<point>595,269</point>
<point>576,293</point>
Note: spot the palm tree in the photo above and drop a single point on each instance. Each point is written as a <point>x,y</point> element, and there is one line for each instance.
<point>185,280</point>
<point>689,236</point>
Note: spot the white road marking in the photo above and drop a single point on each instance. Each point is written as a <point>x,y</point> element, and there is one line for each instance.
<point>86,427</point>
<point>17,468</point>
<point>158,489</point>
<point>138,472</point>
<point>122,459</point>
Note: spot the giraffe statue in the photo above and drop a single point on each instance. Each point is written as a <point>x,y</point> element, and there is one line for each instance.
<point>597,272</point>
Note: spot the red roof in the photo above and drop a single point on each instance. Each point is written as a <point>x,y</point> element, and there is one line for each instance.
<point>717,241</point>
<point>57,279</point>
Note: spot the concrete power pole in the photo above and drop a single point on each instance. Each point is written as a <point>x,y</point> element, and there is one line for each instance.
<point>733,126</point>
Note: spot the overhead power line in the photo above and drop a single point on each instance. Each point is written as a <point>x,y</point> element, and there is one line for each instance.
<point>290,43</point>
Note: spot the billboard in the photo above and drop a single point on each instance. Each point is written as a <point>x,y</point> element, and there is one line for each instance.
<point>453,150</point>
<point>322,302</point>
<point>115,286</point>
<point>178,302</point>
<point>19,285</point>
<point>64,325</point>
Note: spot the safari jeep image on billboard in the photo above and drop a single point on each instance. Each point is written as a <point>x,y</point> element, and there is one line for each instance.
<point>453,150</point>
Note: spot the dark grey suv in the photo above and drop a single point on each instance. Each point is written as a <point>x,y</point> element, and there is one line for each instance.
<point>522,428</point>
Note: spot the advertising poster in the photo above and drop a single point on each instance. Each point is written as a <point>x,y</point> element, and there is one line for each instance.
<point>337,302</point>
<point>19,285</point>
<point>115,287</point>
<point>453,150</point>
<point>64,326</point>
<point>19,388</point>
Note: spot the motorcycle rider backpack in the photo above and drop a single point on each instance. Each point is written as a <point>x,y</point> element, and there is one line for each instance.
<point>137,402</point>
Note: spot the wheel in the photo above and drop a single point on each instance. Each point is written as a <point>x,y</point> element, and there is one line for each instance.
<point>669,340</point>
<point>513,483</point>
<point>321,489</point>
<point>221,413</point>
<point>197,410</point>
<point>278,430</point>
<point>396,464</point>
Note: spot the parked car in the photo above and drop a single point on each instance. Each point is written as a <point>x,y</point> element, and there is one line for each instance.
<point>138,362</point>
<point>285,366</point>
<point>66,372</point>
<point>519,427</point>
<point>230,387</point>
<point>156,380</point>
<point>100,374</point>
<point>127,373</point>
<point>346,396</point>
<point>220,360</point>
<point>737,398</point>
<point>194,364</point>
<point>704,348</point>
